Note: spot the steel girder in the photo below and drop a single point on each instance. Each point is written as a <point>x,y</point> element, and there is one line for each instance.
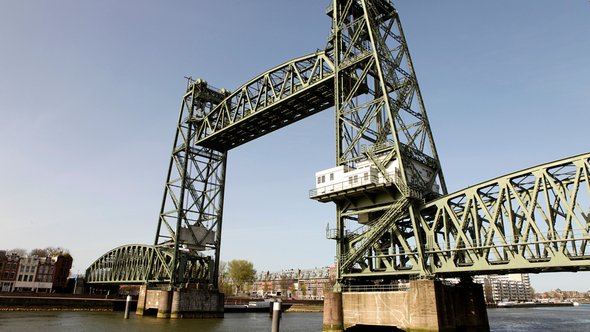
<point>285,94</point>
<point>136,263</point>
<point>534,220</point>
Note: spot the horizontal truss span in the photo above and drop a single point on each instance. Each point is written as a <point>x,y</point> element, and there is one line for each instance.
<point>130,264</point>
<point>535,220</point>
<point>285,94</point>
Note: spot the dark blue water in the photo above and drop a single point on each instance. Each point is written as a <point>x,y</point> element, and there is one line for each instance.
<point>563,319</point>
<point>525,319</point>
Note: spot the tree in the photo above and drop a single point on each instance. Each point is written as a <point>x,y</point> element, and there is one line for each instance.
<point>303,288</point>
<point>39,252</point>
<point>241,273</point>
<point>286,283</point>
<point>18,251</point>
<point>223,283</point>
<point>57,251</point>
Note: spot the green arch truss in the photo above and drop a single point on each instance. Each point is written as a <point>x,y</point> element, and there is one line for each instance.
<point>130,264</point>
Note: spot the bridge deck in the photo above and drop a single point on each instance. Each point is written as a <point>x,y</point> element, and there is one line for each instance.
<point>278,115</point>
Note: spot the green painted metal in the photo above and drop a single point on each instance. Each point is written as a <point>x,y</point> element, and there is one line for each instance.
<point>129,264</point>
<point>534,220</point>
<point>191,213</point>
<point>400,224</point>
<point>380,118</point>
<point>285,94</point>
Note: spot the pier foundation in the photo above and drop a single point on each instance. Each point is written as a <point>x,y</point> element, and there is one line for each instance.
<point>180,303</point>
<point>427,306</point>
<point>333,320</point>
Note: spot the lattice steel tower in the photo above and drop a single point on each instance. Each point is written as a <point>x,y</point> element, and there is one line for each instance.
<point>189,226</point>
<point>385,148</point>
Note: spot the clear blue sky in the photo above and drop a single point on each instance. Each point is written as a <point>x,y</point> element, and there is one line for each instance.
<point>90,93</point>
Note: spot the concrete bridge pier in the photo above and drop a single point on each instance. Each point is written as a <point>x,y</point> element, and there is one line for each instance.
<point>333,320</point>
<point>427,306</point>
<point>164,303</point>
<point>185,302</point>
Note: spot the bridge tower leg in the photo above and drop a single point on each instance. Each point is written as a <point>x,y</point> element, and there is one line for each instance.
<point>382,127</point>
<point>188,235</point>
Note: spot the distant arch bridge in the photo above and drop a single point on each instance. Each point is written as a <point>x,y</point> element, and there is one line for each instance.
<point>140,263</point>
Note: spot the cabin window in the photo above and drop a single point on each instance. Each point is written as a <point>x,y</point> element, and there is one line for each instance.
<point>366,177</point>
<point>356,179</point>
<point>331,176</point>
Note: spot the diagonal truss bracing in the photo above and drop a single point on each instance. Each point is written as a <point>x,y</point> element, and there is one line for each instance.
<point>130,264</point>
<point>381,120</point>
<point>534,220</point>
<point>276,98</point>
<point>190,218</point>
<point>378,101</point>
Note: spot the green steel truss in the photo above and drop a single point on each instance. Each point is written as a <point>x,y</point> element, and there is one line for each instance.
<point>277,98</point>
<point>381,119</point>
<point>402,224</point>
<point>534,220</point>
<point>191,214</point>
<point>131,264</point>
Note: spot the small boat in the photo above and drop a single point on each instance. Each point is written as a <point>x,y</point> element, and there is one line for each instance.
<point>510,304</point>
<point>254,306</point>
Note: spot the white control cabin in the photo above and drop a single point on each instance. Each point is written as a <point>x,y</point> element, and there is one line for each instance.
<point>342,178</point>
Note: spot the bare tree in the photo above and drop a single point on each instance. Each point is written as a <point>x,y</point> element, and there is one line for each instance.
<point>286,284</point>
<point>39,252</point>
<point>18,251</point>
<point>223,282</point>
<point>57,251</point>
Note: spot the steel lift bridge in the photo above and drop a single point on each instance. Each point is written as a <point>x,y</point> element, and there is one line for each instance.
<point>394,217</point>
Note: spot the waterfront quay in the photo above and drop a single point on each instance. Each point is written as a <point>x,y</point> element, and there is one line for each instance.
<point>66,302</point>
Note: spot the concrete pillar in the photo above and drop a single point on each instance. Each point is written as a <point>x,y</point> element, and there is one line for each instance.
<point>141,300</point>
<point>164,304</point>
<point>175,309</point>
<point>470,307</point>
<point>427,306</point>
<point>333,317</point>
<point>422,307</point>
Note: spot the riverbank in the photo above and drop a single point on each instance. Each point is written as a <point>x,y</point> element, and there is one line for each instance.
<point>69,302</point>
<point>307,307</point>
<point>295,305</point>
<point>61,302</point>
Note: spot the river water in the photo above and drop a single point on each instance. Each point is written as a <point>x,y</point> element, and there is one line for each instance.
<point>523,319</point>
